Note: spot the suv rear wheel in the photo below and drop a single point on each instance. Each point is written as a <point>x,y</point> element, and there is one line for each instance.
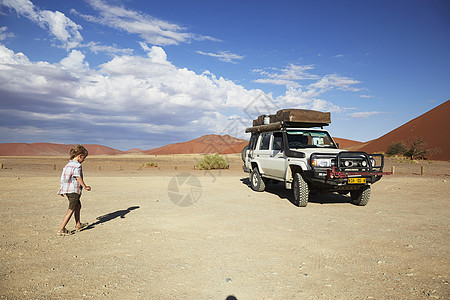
<point>361,197</point>
<point>301,190</point>
<point>256,181</point>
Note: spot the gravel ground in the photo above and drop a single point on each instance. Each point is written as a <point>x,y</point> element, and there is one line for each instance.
<point>164,233</point>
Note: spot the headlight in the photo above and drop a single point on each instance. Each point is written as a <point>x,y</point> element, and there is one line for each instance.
<point>321,162</point>
<point>364,163</point>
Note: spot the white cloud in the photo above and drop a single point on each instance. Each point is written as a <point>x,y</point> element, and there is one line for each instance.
<point>152,30</point>
<point>366,96</point>
<point>288,76</point>
<point>296,98</point>
<point>111,50</point>
<point>4,34</point>
<point>8,56</point>
<point>364,115</point>
<point>331,81</point>
<point>61,27</point>
<point>75,60</point>
<point>137,98</point>
<point>225,56</point>
<point>306,97</point>
<point>127,97</point>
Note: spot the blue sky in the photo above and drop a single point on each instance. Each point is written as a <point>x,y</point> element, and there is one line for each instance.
<point>142,74</point>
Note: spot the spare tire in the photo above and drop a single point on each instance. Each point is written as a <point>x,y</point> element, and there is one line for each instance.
<point>243,153</point>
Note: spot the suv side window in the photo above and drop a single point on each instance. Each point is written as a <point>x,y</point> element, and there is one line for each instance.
<point>277,143</point>
<point>265,141</point>
<point>253,140</point>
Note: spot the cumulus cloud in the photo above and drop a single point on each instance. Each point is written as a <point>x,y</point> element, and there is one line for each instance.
<point>75,60</point>
<point>224,56</point>
<point>127,98</point>
<point>133,101</point>
<point>60,26</point>
<point>153,30</point>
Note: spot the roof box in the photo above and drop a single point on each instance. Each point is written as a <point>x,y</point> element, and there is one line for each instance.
<point>291,118</point>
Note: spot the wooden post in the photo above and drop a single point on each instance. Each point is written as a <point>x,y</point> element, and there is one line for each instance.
<point>1,166</point>
<point>175,167</point>
<point>54,167</point>
<point>422,170</point>
<point>393,170</point>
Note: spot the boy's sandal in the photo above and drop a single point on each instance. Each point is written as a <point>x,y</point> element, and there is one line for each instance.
<point>63,232</point>
<point>81,226</point>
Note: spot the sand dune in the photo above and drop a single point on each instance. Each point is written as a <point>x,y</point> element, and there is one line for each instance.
<point>432,126</point>
<point>211,143</point>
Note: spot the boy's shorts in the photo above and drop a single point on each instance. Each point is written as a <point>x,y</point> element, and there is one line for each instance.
<point>74,200</point>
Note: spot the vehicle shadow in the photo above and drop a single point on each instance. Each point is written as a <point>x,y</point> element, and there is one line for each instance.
<point>279,190</point>
<point>111,216</point>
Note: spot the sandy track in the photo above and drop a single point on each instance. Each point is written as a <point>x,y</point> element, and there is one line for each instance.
<point>232,241</point>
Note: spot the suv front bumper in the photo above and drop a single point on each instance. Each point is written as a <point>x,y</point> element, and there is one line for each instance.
<point>322,179</point>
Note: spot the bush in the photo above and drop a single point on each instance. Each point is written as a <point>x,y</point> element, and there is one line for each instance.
<point>396,149</point>
<point>212,162</point>
<point>417,149</point>
<point>149,165</point>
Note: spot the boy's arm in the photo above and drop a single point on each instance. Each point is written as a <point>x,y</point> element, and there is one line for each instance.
<point>81,182</point>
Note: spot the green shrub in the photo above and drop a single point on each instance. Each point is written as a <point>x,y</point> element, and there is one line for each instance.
<point>149,165</point>
<point>396,149</point>
<point>212,162</point>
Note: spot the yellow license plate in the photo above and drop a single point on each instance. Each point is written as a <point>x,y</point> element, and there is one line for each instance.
<point>356,180</point>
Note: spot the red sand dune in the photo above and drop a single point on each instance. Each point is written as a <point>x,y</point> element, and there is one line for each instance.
<point>211,143</point>
<point>433,126</point>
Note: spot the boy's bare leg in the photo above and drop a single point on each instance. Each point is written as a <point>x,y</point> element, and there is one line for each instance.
<point>77,215</point>
<point>66,218</point>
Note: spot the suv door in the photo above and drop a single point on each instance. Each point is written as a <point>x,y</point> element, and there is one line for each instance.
<point>263,152</point>
<point>249,154</point>
<point>276,166</point>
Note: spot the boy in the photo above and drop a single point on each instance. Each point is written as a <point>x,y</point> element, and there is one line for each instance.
<point>71,185</point>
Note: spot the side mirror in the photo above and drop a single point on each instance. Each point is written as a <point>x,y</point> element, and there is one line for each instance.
<point>337,145</point>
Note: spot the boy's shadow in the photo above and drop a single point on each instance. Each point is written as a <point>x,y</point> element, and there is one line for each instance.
<point>111,216</point>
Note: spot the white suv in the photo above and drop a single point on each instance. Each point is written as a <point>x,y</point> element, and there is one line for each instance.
<point>308,161</point>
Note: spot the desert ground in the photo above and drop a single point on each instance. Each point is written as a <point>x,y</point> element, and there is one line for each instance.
<point>173,232</point>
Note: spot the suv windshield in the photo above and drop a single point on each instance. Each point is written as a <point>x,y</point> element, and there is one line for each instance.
<point>309,139</point>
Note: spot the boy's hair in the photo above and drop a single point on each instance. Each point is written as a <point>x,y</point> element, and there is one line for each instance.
<point>77,150</point>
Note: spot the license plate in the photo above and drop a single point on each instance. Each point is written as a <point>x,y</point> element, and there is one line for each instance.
<point>356,180</point>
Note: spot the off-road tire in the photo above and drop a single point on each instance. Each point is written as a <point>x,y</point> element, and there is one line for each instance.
<point>301,190</point>
<point>243,152</point>
<point>361,197</point>
<point>256,181</point>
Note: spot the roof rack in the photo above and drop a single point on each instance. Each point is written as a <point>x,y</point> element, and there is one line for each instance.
<point>289,118</point>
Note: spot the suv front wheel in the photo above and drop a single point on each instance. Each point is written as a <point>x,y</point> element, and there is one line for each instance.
<point>361,197</point>
<point>301,190</point>
<point>256,181</point>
